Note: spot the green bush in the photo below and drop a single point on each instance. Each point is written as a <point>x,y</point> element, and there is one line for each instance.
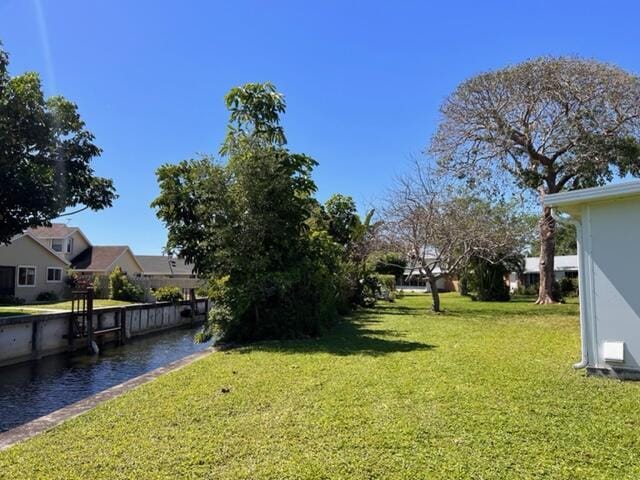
<point>387,281</point>
<point>534,288</point>
<point>556,293</point>
<point>486,281</point>
<point>47,297</point>
<point>531,289</point>
<point>168,294</point>
<point>100,286</point>
<point>299,302</point>
<point>11,300</point>
<point>121,288</point>
<point>569,287</point>
<point>390,264</point>
<point>463,284</point>
<point>202,292</point>
<point>386,286</point>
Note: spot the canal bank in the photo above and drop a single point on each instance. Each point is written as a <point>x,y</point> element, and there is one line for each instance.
<point>31,337</point>
<point>38,395</point>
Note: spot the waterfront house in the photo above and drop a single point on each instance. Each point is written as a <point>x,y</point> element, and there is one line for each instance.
<point>28,268</point>
<point>41,259</point>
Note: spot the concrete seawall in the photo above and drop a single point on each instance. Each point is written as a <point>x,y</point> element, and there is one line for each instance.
<point>29,337</point>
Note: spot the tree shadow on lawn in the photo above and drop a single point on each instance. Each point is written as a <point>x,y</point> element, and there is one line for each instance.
<point>351,336</point>
<point>392,309</point>
<point>500,311</point>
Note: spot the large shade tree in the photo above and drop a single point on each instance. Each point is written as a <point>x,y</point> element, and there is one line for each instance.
<point>550,124</point>
<point>45,157</point>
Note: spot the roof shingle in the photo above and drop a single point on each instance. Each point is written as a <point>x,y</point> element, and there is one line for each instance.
<point>56,230</point>
<point>159,265</point>
<point>98,257</point>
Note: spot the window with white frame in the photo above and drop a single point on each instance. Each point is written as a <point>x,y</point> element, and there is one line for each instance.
<point>70,245</point>
<point>57,244</point>
<point>26,276</point>
<point>54,274</point>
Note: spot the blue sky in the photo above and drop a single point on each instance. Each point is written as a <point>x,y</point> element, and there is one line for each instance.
<point>363,80</point>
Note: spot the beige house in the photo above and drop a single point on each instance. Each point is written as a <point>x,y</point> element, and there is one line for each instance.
<point>103,259</point>
<point>66,241</point>
<point>41,259</point>
<point>164,271</point>
<point>28,268</point>
<point>163,266</point>
<point>86,259</point>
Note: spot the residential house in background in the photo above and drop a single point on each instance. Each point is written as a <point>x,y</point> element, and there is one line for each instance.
<point>414,273</point>
<point>66,241</point>
<point>28,267</point>
<point>163,270</point>
<point>564,266</point>
<point>41,259</point>
<point>86,259</point>
<point>164,266</point>
<point>101,260</point>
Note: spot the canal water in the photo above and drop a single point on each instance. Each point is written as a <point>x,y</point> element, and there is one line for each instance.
<point>30,390</point>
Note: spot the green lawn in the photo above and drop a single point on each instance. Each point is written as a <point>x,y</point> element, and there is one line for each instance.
<point>66,304</point>
<point>483,391</point>
<point>62,305</point>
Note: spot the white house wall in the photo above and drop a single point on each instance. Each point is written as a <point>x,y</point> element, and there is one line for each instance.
<point>611,239</point>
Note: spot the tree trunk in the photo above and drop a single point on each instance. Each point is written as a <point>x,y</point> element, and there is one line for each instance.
<point>547,257</point>
<point>435,296</point>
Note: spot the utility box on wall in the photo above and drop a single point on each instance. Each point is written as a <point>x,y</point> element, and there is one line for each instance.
<point>608,234</point>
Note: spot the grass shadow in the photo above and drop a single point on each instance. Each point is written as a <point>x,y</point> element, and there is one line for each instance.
<point>353,335</point>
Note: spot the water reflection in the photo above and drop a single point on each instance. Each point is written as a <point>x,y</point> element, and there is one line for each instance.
<point>30,390</point>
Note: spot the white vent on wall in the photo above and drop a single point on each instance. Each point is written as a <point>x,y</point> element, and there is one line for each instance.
<point>613,351</point>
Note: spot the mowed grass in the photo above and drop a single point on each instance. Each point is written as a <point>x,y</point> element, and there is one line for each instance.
<point>66,304</point>
<point>62,305</point>
<point>482,391</point>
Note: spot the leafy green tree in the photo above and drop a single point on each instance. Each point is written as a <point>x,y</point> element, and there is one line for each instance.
<point>342,218</point>
<point>45,156</point>
<point>245,226</point>
<point>549,124</point>
<point>390,263</point>
<point>254,116</point>
<point>356,237</point>
<point>488,279</point>
<point>121,288</point>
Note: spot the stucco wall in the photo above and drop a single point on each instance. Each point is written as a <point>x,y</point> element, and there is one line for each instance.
<point>127,263</point>
<point>612,238</point>
<point>26,251</point>
<point>79,245</point>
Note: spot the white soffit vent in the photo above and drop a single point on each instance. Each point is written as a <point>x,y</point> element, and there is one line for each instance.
<point>613,351</point>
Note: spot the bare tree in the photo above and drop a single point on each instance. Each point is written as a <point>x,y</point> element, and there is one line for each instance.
<point>440,228</point>
<point>551,124</point>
